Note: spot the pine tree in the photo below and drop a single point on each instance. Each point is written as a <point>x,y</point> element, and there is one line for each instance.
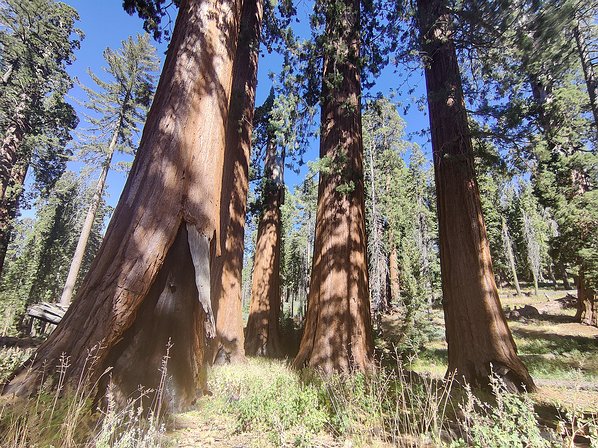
<point>38,39</point>
<point>120,107</point>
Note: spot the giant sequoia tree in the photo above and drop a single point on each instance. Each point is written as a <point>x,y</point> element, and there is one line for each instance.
<point>262,334</point>
<point>479,340</point>
<point>37,41</point>
<point>228,267</point>
<point>337,335</point>
<point>149,286</point>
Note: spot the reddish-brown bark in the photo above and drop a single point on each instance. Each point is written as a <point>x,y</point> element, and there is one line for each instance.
<point>173,189</point>
<point>227,268</point>
<point>338,334</point>
<point>587,304</point>
<point>263,333</point>
<point>479,340</point>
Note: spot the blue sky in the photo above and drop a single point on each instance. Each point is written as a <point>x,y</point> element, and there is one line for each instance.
<point>106,24</point>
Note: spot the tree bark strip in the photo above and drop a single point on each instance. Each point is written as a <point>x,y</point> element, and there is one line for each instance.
<point>227,269</point>
<point>479,340</point>
<point>172,186</point>
<point>338,331</point>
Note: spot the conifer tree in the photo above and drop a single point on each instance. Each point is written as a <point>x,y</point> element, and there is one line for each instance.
<point>38,39</point>
<point>227,268</point>
<point>479,340</point>
<point>337,334</point>
<point>148,289</point>
<point>37,267</point>
<point>119,109</point>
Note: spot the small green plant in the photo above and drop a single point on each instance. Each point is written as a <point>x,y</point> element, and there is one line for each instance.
<point>268,397</point>
<point>510,422</point>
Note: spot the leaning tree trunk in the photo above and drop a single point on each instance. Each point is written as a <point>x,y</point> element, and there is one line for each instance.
<point>508,245</point>
<point>588,71</point>
<point>479,340</point>
<point>71,279</point>
<point>150,281</point>
<point>263,333</point>
<point>338,329</point>
<point>228,267</point>
<point>587,303</point>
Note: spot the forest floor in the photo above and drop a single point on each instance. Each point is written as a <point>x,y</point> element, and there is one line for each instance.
<point>266,404</point>
<point>562,357</point>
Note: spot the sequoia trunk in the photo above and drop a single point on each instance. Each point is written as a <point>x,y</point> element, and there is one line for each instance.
<point>164,228</point>
<point>263,333</point>
<point>479,340</point>
<point>227,268</point>
<point>338,333</point>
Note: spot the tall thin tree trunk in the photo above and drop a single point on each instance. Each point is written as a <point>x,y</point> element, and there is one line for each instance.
<point>338,328</point>
<point>263,332</point>
<point>511,257</point>
<point>587,303</point>
<point>377,261</point>
<point>227,269</point>
<point>562,273</point>
<point>395,284</point>
<point>479,340</point>
<point>150,281</point>
<point>71,279</point>
<point>588,71</point>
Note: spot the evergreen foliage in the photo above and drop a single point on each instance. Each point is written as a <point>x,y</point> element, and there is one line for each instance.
<point>38,40</point>
<point>38,258</point>
<point>119,105</point>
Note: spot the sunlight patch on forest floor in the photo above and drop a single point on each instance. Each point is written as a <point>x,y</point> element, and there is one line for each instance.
<point>562,355</point>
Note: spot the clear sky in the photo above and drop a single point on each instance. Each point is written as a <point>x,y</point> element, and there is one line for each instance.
<point>106,24</point>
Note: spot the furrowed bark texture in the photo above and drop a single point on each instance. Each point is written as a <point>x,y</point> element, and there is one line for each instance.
<point>227,268</point>
<point>173,188</point>
<point>263,334</point>
<point>587,305</point>
<point>338,333</point>
<point>479,340</point>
